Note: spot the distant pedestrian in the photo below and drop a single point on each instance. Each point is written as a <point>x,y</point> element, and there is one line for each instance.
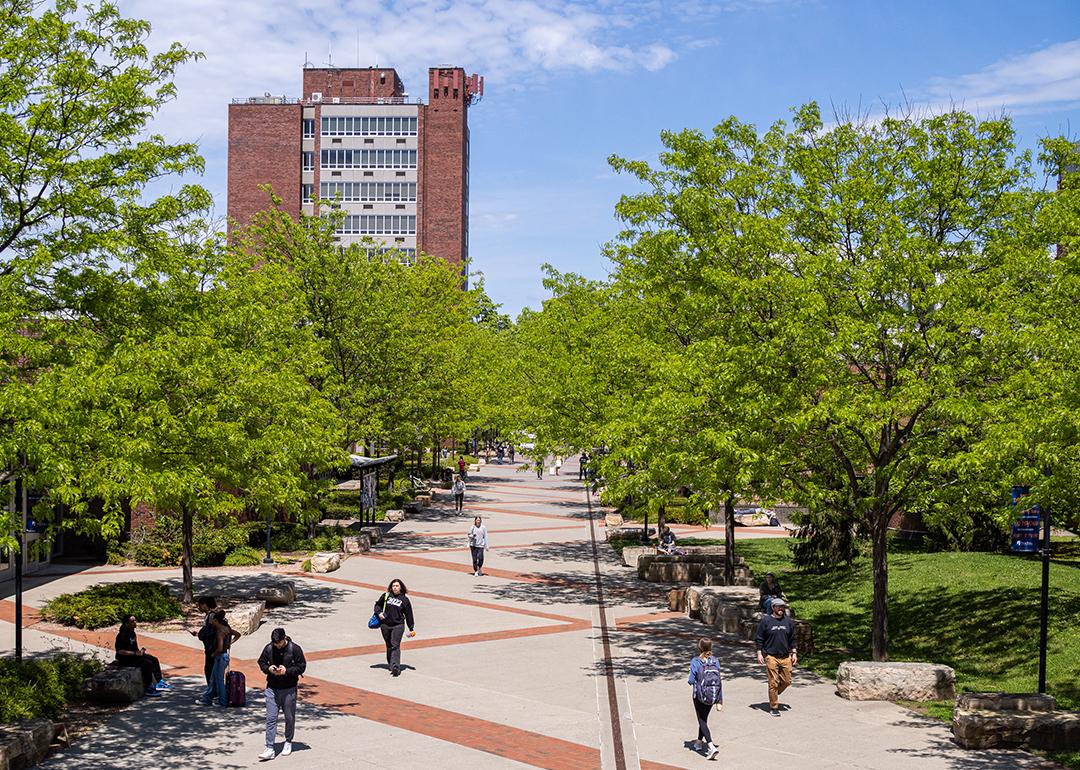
<point>769,591</point>
<point>208,636</point>
<point>708,694</point>
<point>461,467</point>
<point>283,663</point>
<point>458,489</point>
<point>499,454</point>
<point>130,654</point>
<point>224,636</point>
<point>583,464</point>
<point>395,611</point>
<point>511,454</point>
<point>478,543</point>
<point>540,467</point>
<point>558,464</point>
<point>775,642</point>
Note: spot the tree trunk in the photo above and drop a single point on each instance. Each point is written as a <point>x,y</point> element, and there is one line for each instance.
<point>729,540</point>
<point>880,623</point>
<point>435,461</point>
<point>661,519</point>
<point>187,594</point>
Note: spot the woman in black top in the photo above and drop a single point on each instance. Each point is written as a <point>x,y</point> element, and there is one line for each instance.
<point>395,612</point>
<point>129,653</point>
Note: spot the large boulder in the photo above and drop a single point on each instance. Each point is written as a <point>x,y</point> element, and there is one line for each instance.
<point>1043,730</point>
<point>356,543</point>
<point>1005,701</point>
<point>116,684</point>
<point>631,554</point>
<point>24,744</point>
<point>677,600</point>
<point>396,514</point>
<point>613,520</point>
<point>325,562</point>
<point>279,593</point>
<point>375,534</point>
<point>246,617</point>
<point>871,680</point>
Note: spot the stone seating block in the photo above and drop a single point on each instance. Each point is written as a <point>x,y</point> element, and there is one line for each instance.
<point>279,593</point>
<point>356,544</point>
<point>325,562</point>
<point>677,600</point>
<point>375,534</point>
<point>632,553</point>
<point>245,618</point>
<point>709,606</point>
<point>870,680</point>
<point>396,514</point>
<point>1043,730</point>
<point>24,744</point>
<point>612,520</point>
<point>1003,701</point>
<point>474,468</point>
<point>424,500</point>
<point>115,684</point>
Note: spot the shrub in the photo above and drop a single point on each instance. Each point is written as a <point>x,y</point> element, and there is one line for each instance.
<point>161,545</point>
<point>824,545</point>
<point>244,556</point>
<point>41,688</point>
<point>306,566</point>
<point>108,603</point>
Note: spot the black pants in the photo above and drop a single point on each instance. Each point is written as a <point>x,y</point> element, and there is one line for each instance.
<point>392,636</point>
<point>477,558</point>
<point>148,665</point>
<point>539,471</point>
<point>702,710</point>
<point>208,667</point>
<point>459,502</point>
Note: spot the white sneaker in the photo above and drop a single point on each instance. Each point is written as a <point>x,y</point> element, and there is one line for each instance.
<point>286,750</point>
<point>268,754</point>
<point>713,751</point>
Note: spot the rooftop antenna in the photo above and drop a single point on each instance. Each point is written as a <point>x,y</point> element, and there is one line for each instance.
<point>330,54</point>
<point>307,62</point>
<point>358,48</point>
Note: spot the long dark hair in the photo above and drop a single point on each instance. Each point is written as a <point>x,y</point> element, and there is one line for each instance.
<point>390,586</point>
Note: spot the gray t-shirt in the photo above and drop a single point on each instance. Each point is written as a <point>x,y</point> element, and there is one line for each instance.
<point>478,536</point>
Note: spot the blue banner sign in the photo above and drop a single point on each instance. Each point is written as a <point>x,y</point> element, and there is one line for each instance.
<point>1026,530</point>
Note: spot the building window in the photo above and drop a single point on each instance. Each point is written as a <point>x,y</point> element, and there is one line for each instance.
<point>368,192</point>
<point>368,158</point>
<point>305,193</point>
<point>308,160</point>
<point>378,224</point>
<point>381,125</point>
<point>308,125</point>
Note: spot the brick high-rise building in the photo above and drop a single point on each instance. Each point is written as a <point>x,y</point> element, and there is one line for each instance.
<point>398,167</point>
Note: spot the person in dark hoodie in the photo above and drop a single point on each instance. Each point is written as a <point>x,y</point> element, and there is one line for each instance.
<point>208,636</point>
<point>775,642</point>
<point>129,653</point>
<point>283,663</point>
<point>395,612</point>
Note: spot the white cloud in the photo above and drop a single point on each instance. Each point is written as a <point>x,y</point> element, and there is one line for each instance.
<point>1038,81</point>
<point>252,46</point>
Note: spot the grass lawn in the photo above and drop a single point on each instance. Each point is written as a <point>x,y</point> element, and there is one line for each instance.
<point>976,612</point>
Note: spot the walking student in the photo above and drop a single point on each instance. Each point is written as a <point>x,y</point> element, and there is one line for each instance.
<point>775,642</point>
<point>129,653</point>
<point>208,636</point>
<point>458,489</point>
<point>558,464</point>
<point>478,543</point>
<point>283,663</point>
<point>395,612</point>
<point>224,636</point>
<point>708,694</point>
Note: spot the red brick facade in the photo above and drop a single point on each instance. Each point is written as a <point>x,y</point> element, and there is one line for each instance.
<point>352,83</point>
<point>442,224</point>
<point>264,148</point>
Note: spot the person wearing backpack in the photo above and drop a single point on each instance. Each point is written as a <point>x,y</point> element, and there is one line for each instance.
<point>459,494</point>
<point>283,663</point>
<point>395,612</point>
<point>708,693</point>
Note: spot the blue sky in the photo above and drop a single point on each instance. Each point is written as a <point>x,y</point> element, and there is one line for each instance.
<point>568,84</point>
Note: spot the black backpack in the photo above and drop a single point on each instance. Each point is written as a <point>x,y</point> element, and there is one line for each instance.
<point>709,687</point>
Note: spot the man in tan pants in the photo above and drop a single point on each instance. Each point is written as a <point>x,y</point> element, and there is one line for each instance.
<point>775,642</point>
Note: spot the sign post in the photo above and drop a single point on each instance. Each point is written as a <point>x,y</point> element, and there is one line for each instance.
<point>1026,538</point>
<point>1044,618</point>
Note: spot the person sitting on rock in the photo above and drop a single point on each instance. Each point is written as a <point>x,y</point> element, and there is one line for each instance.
<point>129,653</point>
<point>770,591</point>
<point>667,542</point>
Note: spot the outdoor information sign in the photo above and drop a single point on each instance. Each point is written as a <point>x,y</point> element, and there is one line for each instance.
<point>1025,531</point>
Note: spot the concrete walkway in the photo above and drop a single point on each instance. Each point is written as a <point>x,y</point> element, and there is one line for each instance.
<point>557,658</point>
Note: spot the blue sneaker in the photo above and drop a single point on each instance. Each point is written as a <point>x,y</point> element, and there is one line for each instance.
<point>163,685</point>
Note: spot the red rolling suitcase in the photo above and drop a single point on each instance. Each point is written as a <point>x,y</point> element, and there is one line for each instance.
<point>235,689</point>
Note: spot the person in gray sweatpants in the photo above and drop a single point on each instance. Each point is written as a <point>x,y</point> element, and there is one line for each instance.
<point>283,663</point>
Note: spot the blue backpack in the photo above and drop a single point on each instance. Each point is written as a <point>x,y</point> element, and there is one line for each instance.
<point>709,687</point>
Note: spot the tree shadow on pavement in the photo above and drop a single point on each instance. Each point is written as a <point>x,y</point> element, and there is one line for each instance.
<point>171,731</point>
<point>943,749</point>
<point>313,599</point>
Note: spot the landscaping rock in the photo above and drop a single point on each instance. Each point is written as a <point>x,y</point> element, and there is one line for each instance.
<point>424,500</point>
<point>325,562</point>
<point>24,744</point>
<point>245,618</point>
<point>279,594</point>
<point>1043,730</point>
<point>613,520</point>
<point>1003,701</point>
<point>356,544</point>
<point>116,684</point>
<point>474,468</point>
<point>631,554</point>
<point>869,680</point>
<point>375,534</point>
<point>396,514</point>
<point>708,607</point>
<point>804,638</point>
<point>676,598</point>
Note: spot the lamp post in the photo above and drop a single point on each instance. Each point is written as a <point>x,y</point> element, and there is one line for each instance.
<point>1044,609</point>
<point>268,558</point>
